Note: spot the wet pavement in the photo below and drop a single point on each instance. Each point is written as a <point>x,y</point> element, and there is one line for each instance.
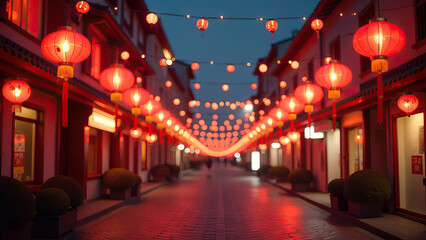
<point>225,203</point>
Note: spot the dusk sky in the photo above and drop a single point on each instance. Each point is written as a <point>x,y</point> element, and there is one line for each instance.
<point>227,41</point>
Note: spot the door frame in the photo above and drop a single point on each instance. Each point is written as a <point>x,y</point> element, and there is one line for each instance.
<point>345,157</point>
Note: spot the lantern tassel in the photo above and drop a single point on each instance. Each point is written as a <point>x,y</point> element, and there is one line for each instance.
<point>149,128</point>
<point>160,136</point>
<point>270,137</point>
<point>334,112</point>
<point>379,98</point>
<point>135,122</point>
<point>116,117</point>
<point>65,103</point>
<point>291,126</point>
<point>272,35</point>
<point>169,140</point>
<point>280,133</point>
<point>309,120</point>
<point>201,33</point>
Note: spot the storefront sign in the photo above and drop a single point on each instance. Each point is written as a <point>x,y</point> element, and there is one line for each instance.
<point>417,164</point>
<point>102,120</point>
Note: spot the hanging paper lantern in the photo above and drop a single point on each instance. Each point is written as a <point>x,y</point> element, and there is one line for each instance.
<point>65,47</point>
<point>283,84</point>
<point>207,104</point>
<point>230,68</point>
<point>202,24</point>
<point>279,114</point>
<point>195,66</point>
<point>150,108</point>
<point>271,26</point>
<point>317,25</point>
<point>163,63</point>
<point>309,94</point>
<point>378,40</point>
<point>253,86</point>
<point>408,103</point>
<point>197,86</point>
<point>284,140</point>
<point>116,79</point>
<point>293,136</point>
<point>292,106</point>
<point>151,138</point>
<point>333,76</point>
<point>161,116</point>
<point>225,87</point>
<point>16,92</point>
<point>263,68</point>
<point>176,101</point>
<point>294,65</point>
<point>82,7</point>
<point>215,106</point>
<point>151,19</point>
<point>134,98</point>
<point>263,147</point>
<point>135,133</point>
<point>125,55</point>
<point>168,84</point>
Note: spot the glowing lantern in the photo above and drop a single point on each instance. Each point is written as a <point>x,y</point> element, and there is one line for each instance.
<point>253,86</point>
<point>198,115</point>
<point>378,40</point>
<point>202,24</point>
<point>207,104</point>
<point>195,66</point>
<point>82,7</point>
<point>284,140</point>
<point>225,87</point>
<point>230,68</point>
<point>163,63</point>
<point>168,84</point>
<point>151,19</point>
<point>317,25</point>
<point>309,94</point>
<point>150,108</point>
<point>408,103</point>
<point>263,147</point>
<point>134,97</point>
<point>125,55</point>
<point>135,133</point>
<point>65,47</point>
<point>327,60</point>
<point>16,92</point>
<point>182,113</point>
<point>293,136</point>
<point>263,68</point>
<point>231,116</point>
<point>215,106</point>
<point>333,76</point>
<point>271,26</point>
<point>176,101</point>
<point>197,86</point>
<point>151,138</point>
<point>294,65</point>
<point>293,106</point>
<point>283,84</point>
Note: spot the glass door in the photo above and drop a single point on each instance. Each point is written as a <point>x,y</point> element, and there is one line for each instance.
<point>355,150</point>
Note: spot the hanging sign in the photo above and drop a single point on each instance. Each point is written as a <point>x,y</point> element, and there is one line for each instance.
<point>417,164</point>
<point>18,155</point>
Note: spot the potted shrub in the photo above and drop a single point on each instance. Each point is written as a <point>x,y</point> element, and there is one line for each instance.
<point>365,191</point>
<point>263,171</point>
<point>136,189</point>
<point>335,188</point>
<point>16,209</point>
<point>300,180</point>
<point>280,173</point>
<point>61,218</point>
<point>160,173</point>
<point>174,172</point>
<point>119,181</point>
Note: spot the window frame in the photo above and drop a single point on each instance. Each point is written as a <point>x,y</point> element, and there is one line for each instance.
<point>99,139</point>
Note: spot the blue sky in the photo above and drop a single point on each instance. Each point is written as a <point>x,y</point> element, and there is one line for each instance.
<point>228,41</point>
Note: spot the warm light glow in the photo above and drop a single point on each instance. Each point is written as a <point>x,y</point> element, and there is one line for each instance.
<point>283,84</point>
<point>176,101</point>
<point>102,120</point>
<point>168,83</point>
<point>225,87</point>
<point>248,107</point>
<point>263,68</point>
<point>197,86</point>
<point>125,55</point>
<point>255,160</point>
<point>284,140</point>
<point>151,18</point>
<point>294,65</point>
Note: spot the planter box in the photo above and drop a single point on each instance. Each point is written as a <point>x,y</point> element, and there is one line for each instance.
<point>338,203</point>
<point>54,226</point>
<point>20,233</point>
<point>119,194</point>
<point>281,179</point>
<point>159,179</point>
<point>365,209</point>
<point>301,187</point>
<point>136,191</point>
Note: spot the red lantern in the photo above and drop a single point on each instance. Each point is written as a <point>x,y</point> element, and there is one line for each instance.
<point>207,104</point>
<point>65,47</point>
<point>135,133</point>
<point>168,84</point>
<point>293,136</point>
<point>292,106</point>
<point>230,68</point>
<point>283,84</point>
<point>161,116</point>
<point>309,94</point>
<point>82,7</point>
<point>134,97</point>
<point>151,19</point>
<point>151,138</point>
<point>16,92</point>
<point>271,26</point>
<point>195,66</point>
<point>202,24</point>
<point>150,108</point>
<point>253,86</point>
<point>333,76</point>
<point>163,63</point>
<point>378,40</point>
<point>263,147</point>
<point>317,25</point>
<point>408,103</point>
<point>176,101</point>
<point>197,86</point>
<point>225,87</point>
<point>284,140</point>
<point>263,68</point>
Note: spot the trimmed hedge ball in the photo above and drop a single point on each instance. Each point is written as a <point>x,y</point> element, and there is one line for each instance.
<point>367,186</point>
<point>335,187</point>
<point>118,178</point>
<point>16,204</point>
<point>70,186</point>
<point>300,175</point>
<point>279,171</point>
<point>52,202</point>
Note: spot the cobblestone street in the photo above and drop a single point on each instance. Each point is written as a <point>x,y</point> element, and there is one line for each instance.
<point>229,204</point>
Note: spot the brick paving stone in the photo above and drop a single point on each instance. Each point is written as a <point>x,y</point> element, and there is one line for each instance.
<point>231,204</point>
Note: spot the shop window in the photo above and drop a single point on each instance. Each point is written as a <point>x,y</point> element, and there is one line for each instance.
<point>421,19</point>
<point>335,49</point>
<point>94,152</point>
<point>355,150</point>
<point>411,163</point>
<point>27,146</point>
<point>27,14</point>
<point>364,18</point>
<point>144,164</point>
